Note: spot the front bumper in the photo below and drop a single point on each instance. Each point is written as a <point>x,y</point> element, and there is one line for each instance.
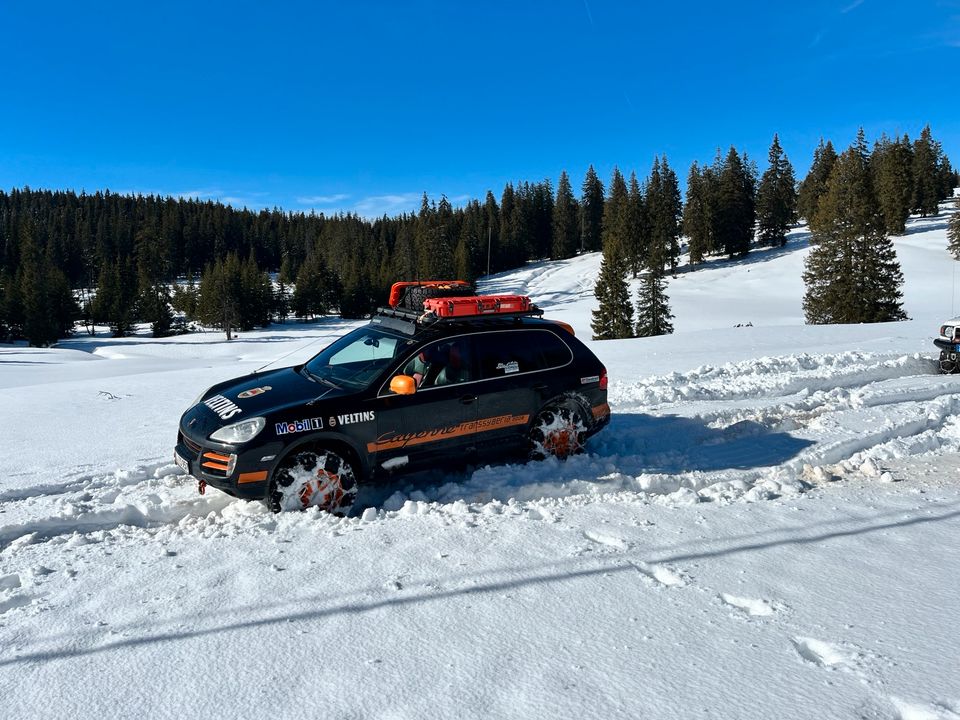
<point>242,473</point>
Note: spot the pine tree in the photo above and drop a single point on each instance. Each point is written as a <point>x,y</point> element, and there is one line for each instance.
<point>698,213</point>
<point>566,226</point>
<point>48,304</point>
<point>591,212</point>
<point>776,198</point>
<point>613,319</point>
<point>653,305</point>
<point>616,217</point>
<point>852,274</point>
<point>637,232</point>
<point>219,302</point>
<point>892,166</point>
<point>664,211</point>
<point>153,294</point>
<point>814,185</point>
<point>953,230</point>
<point>116,299</point>
<point>927,159</point>
<point>735,212</point>
<point>4,293</point>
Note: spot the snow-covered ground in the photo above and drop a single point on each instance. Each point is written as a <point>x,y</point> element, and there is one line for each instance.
<point>768,528</point>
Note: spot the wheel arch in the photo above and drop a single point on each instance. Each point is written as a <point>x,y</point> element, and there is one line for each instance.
<point>577,402</point>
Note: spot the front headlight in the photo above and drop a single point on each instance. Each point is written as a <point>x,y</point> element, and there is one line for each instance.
<point>240,432</point>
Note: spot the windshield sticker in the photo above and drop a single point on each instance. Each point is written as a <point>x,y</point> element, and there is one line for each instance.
<point>252,392</point>
<point>223,407</point>
<point>588,380</point>
<point>351,418</point>
<point>510,367</point>
<point>296,426</point>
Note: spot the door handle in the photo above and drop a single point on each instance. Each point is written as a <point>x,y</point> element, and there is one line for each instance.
<point>467,399</point>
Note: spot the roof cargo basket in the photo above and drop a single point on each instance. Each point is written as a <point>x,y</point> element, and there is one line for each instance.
<point>456,309</point>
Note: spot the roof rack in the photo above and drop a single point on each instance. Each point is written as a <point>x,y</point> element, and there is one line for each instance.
<point>410,321</point>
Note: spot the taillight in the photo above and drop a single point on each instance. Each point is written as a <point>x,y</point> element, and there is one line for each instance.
<point>603,378</point>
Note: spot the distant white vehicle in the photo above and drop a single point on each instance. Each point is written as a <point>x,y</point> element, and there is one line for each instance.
<point>949,344</point>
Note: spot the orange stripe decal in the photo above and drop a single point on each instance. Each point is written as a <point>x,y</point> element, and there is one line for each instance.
<point>601,411</point>
<point>252,476</point>
<point>215,466</point>
<point>392,440</point>
<point>217,456</point>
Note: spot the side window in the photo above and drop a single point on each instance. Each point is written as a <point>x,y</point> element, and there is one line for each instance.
<point>507,353</point>
<point>446,362</point>
<point>555,351</point>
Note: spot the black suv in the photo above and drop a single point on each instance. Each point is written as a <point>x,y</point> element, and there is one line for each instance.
<point>409,391</point>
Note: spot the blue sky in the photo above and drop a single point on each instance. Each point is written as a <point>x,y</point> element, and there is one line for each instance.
<point>363,106</point>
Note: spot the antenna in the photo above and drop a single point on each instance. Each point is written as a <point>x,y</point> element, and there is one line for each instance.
<point>296,349</point>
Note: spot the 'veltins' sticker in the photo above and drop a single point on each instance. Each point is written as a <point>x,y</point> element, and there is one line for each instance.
<point>351,418</point>
<point>510,367</point>
<point>223,407</point>
<point>392,440</point>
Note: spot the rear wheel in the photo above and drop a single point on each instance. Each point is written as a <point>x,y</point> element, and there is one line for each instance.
<point>322,478</point>
<point>948,366</point>
<point>557,431</point>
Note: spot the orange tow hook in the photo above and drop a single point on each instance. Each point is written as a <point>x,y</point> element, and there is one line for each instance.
<point>201,486</point>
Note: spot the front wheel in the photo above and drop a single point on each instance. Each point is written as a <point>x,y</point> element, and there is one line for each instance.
<point>322,478</point>
<point>557,431</point>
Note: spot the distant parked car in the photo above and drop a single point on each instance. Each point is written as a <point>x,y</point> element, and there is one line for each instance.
<point>428,383</point>
<point>949,344</point>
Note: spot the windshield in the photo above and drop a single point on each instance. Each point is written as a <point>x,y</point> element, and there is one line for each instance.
<point>357,359</point>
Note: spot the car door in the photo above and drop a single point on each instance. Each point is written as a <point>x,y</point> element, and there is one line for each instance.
<point>435,426</point>
<point>513,385</point>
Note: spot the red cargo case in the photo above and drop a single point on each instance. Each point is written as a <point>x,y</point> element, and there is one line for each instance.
<point>398,288</point>
<point>477,305</point>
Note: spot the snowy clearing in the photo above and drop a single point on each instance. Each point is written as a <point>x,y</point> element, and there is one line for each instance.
<point>768,528</point>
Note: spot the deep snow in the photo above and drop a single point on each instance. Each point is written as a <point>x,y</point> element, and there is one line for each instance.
<point>767,529</point>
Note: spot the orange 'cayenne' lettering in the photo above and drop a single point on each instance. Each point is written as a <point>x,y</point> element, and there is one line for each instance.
<point>392,440</point>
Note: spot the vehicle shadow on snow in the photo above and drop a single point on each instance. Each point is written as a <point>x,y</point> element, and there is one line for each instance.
<point>438,589</point>
<point>674,444</point>
<point>633,444</point>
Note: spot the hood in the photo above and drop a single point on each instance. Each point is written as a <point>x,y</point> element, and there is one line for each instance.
<point>260,394</point>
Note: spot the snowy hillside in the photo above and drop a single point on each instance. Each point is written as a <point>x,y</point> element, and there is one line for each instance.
<point>768,528</point>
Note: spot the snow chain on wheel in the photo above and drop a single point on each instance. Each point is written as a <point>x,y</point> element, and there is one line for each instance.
<point>948,367</point>
<point>557,431</point>
<point>323,479</point>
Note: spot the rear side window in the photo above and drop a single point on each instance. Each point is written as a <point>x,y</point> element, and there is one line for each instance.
<point>508,353</point>
<point>555,351</point>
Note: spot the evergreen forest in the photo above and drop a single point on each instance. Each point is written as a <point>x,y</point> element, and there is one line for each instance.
<point>71,261</point>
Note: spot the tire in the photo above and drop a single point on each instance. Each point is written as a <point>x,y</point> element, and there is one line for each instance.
<point>322,478</point>
<point>414,297</point>
<point>949,367</point>
<point>557,431</point>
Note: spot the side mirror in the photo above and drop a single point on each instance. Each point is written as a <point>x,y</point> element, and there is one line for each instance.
<point>403,385</point>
